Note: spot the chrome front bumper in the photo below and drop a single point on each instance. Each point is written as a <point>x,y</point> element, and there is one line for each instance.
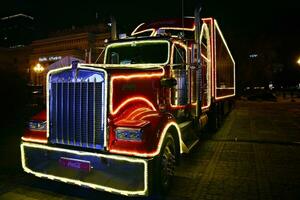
<point>112,173</point>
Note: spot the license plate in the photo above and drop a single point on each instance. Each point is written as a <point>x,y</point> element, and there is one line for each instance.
<point>75,164</point>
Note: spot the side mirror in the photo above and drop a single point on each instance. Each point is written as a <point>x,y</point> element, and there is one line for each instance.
<point>168,82</point>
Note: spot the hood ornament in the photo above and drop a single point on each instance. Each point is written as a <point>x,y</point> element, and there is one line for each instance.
<point>75,68</point>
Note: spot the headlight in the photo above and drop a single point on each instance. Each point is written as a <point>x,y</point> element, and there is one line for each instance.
<point>129,134</point>
<point>37,125</point>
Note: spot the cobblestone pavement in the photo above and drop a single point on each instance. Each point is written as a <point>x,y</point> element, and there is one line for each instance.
<point>255,155</point>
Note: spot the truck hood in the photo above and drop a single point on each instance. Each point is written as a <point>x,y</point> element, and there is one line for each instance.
<point>132,84</point>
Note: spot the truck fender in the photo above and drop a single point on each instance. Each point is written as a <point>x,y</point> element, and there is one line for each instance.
<point>166,123</point>
<point>158,125</point>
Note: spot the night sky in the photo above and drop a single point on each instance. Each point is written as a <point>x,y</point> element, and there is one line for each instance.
<point>248,26</point>
<point>244,17</point>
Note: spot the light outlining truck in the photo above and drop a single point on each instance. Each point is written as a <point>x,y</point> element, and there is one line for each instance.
<point>121,126</point>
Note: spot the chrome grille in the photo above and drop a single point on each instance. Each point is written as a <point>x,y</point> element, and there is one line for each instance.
<point>76,109</point>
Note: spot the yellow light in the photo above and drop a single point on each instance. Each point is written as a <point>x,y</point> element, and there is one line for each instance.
<point>149,115</point>
<point>298,61</point>
<point>34,140</point>
<point>82,183</point>
<point>38,68</point>
<point>231,95</point>
<point>133,99</point>
<point>136,112</point>
<point>134,32</point>
<point>138,42</point>
<point>205,30</point>
<point>126,77</point>
<point>139,113</point>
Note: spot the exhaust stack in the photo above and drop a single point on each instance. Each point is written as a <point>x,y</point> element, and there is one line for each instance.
<point>113,28</point>
<point>198,62</point>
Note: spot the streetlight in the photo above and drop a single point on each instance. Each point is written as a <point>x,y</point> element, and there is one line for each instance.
<point>38,68</point>
<point>298,61</point>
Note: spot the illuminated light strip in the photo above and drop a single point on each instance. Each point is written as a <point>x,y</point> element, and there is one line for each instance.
<point>227,96</point>
<point>224,42</point>
<point>172,64</point>
<point>141,24</point>
<point>126,77</point>
<point>205,30</point>
<point>215,59</point>
<point>141,113</point>
<point>152,30</point>
<point>131,66</point>
<point>212,44</point>
<point>173,28</point>
<point>162,137</point>
<point>205,58</point>
<point>177,28</point>
<point>178,107</point>
<point>80,66</point>
<point>207,18</point>
<point>142,31</point>
<point>135,111</point>
<point>81,183</point>
<point>138,42</point>
<point>130,100</point>
<point>228,88</point>
<point>149,115</point>
<point>34,140</point>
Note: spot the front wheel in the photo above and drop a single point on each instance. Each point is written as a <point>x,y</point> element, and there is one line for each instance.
<point>166,164</point>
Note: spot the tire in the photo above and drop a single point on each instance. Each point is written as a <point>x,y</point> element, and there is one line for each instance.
<point>166,165</point>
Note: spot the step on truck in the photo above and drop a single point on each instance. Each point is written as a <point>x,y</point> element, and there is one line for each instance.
<point>121,126</point>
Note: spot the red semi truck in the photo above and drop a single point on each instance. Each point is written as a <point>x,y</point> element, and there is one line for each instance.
<point>121,126</point>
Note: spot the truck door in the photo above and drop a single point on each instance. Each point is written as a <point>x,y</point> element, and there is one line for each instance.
<point>179,71</point>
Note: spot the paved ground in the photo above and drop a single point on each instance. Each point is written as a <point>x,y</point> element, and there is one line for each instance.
<point>255,155</point>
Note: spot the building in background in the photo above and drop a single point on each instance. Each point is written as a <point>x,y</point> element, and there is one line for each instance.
<point>17,30</point>
<point>15,60</point>
<point>23,54</point>
<point>16,34</point>
<point>84,43</point>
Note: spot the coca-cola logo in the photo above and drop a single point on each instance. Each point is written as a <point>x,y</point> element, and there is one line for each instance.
<point>76,165</point>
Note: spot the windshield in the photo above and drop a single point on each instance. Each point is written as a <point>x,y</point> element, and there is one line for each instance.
<point>138,52</point>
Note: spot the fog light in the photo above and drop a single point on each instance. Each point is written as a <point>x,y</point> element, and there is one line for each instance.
<point>37,125</point>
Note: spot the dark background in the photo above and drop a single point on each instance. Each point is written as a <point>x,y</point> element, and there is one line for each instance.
<point>267,28</point>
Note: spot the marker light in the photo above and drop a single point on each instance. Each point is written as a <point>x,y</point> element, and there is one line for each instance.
<point>129,134</point>
<point>37,125</point>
